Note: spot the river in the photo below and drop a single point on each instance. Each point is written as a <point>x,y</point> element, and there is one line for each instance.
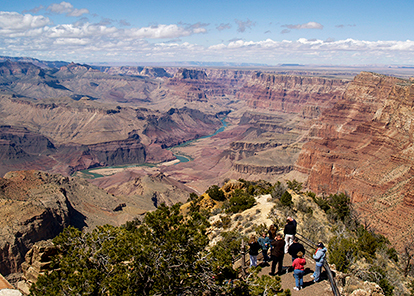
<point>94,172</point>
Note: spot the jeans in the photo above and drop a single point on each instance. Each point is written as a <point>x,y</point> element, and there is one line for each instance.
<point>317,272</point>
<point>253,260</point>
<point>265,256</point>
<point>298,275</point>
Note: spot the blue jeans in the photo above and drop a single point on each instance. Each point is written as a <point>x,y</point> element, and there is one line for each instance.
<point>298,275</point>
<point>317,272</point>
<point>265,256</point>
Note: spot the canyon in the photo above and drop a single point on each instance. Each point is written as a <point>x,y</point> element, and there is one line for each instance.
<point>334,130</point>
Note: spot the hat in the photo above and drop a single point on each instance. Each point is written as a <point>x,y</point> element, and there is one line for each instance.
<point>320,245</point>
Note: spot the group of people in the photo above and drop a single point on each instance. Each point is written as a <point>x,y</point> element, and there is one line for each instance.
<point>289,244</point>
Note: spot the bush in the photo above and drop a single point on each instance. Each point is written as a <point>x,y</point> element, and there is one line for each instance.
<point>303,206</point>
<point>286,199</point>
<point>216,193</point>
<point>192,197</point>
<point>239,202</point>
<point>342,251</point>
<point>294,185</point>
<point>340,206</point>
<point>278,190</point>
<point>166,253</point>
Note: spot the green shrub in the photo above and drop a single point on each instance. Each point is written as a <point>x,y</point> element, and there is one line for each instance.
<point>278,190</point>
<point>216,193</point>
<point>286,199</point>
<point>341,252</point>
<point>340,206</point>
<point>239,201</point>
<point>193,196</point>
<point>294,185</point>
<point>378,275</point>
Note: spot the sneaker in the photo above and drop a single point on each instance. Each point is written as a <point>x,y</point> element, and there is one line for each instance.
<point>296,288</point>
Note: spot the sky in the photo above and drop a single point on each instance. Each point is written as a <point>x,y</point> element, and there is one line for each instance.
<point>317,32</point>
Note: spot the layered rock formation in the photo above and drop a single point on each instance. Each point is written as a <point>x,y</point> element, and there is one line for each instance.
<point>37,206</point>
<point>64,136</point>
<point>288,93</point>
<point>364,146</point>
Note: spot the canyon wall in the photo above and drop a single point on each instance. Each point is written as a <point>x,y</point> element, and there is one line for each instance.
<point>288,93</point>
<point>364,146</point>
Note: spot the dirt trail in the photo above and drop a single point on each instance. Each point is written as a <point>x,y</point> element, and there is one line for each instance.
<point>309,287</point>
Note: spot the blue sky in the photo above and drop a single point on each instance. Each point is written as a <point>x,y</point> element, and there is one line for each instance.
<point>274,32</point>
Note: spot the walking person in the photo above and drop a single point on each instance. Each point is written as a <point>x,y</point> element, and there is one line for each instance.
<point>319,257</point>
<point>289,232</point>
<point>277,254</point>
<point>264,242</point>
<point>299,270</point>
<point>254,248</point>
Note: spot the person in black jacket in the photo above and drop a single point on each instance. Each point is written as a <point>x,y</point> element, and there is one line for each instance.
<point>295,248</point>
<point>254,248</point>
<point>277,254</point>
<point>289,232</point>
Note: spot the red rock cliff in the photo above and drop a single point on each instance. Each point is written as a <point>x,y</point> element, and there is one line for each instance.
<point>289,93</point>
<point>364,146</point>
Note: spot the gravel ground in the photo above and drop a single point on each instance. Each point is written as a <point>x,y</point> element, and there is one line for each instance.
<point>309,287</point>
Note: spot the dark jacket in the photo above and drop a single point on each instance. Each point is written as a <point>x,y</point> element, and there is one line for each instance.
<point>295,248</point>
<point>278,248</point>
<point>254,248</point>
<point>290,228</point>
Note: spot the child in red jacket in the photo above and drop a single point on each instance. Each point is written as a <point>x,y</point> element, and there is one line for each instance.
<point>298,270</point>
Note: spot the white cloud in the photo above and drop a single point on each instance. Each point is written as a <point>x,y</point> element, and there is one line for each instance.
<point>66,8</point>
<point>36,36</point>
<point>165,31</point>
<point>310,25</point>
<point>13,21</point>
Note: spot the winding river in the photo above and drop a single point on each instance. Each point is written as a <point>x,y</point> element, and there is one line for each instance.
<point>94,172</point>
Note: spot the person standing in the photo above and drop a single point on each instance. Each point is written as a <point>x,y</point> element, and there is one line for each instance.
<point>254,248</point>
<point>295,248</point>
<point>277,254</point>
<point>264,242</point>
<point>289,232</point>
<point>299,270</point>
<point>319,257</point>
<point>272,232</point>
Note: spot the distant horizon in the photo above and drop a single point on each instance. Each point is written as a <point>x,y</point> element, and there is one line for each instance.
<point>267,32</point>
<point>216,63</point>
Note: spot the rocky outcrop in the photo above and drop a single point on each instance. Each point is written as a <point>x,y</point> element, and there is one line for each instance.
<point>261,170</point>
<point>180,125</point>
<point>153,72</point>
<point>290,94</point>
<point>38,260</point>
<point>36,206</point>
<point>364,146</point>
